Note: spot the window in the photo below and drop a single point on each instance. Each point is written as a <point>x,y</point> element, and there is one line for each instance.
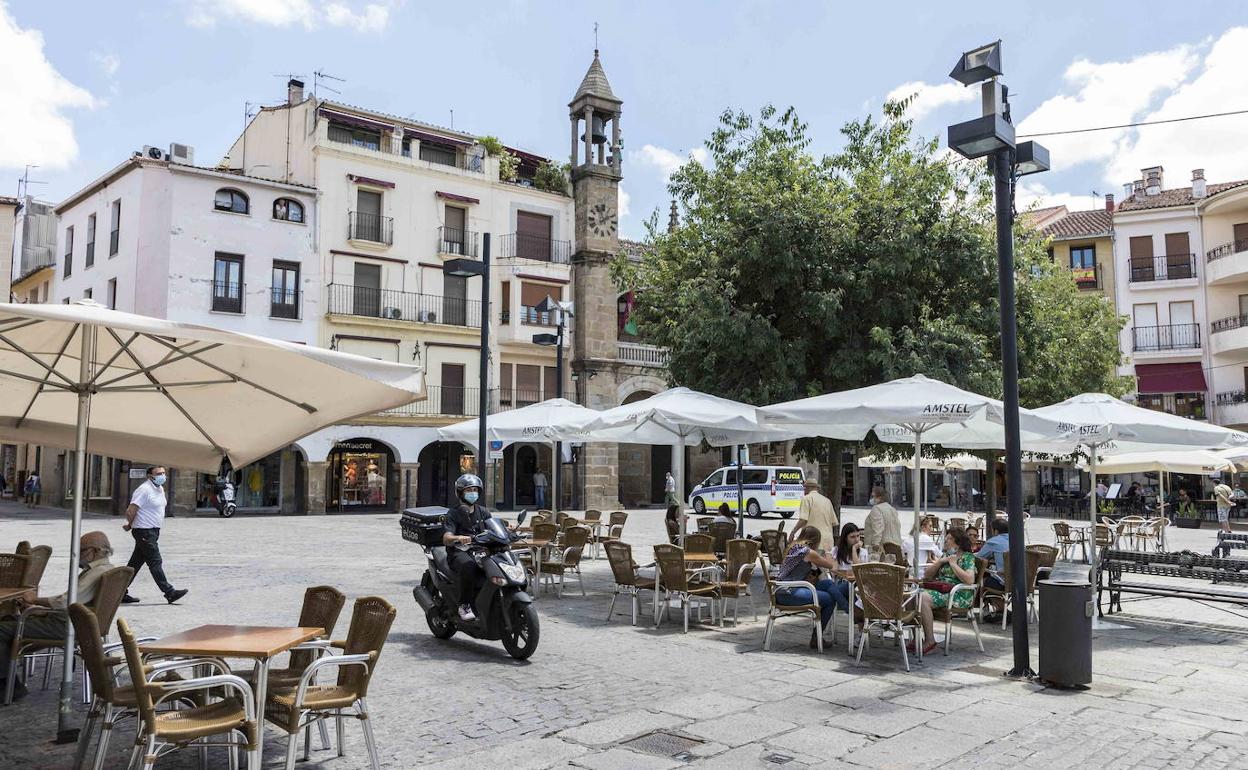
<point>367,224</point>
<point>99,476</point>
<point>69,252</point>
<point>87,293</point>
<point>114,235</point>
<point>528,384</point>
<point>504,385</point>
<point>284,302</point>
<point>443,155</point>
<point>506,314</point>
<point>452,390</point>
<point>550,382</point>
<point>360,137</point>
<point>112,293</point>
<point>288,210</point>
<point>453,231</point>
<point>227,283</point>
<point>533,236</point>
<point>714,480</point>
<point>532,295</point>
<point>231,200</point>
<point>1082,256</point>
<point>90,241</point>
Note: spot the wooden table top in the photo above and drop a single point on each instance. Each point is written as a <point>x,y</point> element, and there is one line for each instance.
<point>701,557</point>
<point>13,592</point>
<point>530,544</point>
<point>233,641</point>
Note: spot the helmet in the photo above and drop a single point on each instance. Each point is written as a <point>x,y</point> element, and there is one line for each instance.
<point>464,482</point>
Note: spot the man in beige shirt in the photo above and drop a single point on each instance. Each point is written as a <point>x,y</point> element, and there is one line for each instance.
<point>93,552</point>
<point>883,525</point>
<point>816,511</point>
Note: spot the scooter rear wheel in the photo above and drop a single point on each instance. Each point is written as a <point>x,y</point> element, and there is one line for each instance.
<point>440,625</point>
<point>521,639</point>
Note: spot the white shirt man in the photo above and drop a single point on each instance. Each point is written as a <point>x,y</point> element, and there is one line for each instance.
<point>883,525</point>
<point>144,517</point>
<point>817,511</point>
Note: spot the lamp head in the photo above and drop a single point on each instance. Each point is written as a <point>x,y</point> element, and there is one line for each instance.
<point>1031,158</point>
<point>981,136</point>
<point>978,64</point>
<point>463,268</point>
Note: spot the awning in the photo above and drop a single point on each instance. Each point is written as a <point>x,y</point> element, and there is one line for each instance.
<point>368,180</point>
<point>434,138</point>
<point>455,197</point>
<point>355,120</point>
<point>1185,377</point>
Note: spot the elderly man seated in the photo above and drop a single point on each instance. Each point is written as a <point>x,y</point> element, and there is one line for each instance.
<point>93,552</point>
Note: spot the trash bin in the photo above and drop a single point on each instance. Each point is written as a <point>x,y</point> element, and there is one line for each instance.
<point>1066,609</point>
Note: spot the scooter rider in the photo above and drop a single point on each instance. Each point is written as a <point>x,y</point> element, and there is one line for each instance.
<point>462,522</point>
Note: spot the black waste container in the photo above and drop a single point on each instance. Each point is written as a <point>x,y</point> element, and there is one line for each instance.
<point>1066,632</point>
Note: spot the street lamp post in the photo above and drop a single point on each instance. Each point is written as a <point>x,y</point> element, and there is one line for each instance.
<point>992,136</point>
<point>466,268</point>
<point>560,310</point>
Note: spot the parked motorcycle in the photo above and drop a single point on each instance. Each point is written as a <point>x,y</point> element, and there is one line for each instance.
<point>503,606</point>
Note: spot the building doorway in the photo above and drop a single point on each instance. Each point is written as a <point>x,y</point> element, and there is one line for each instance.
<point>362,476</point>
<point>440,464</point>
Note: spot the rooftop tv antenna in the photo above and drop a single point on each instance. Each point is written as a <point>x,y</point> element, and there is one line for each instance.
<point>318,77</point>
<point>595,38</point>
<point>24,181</point>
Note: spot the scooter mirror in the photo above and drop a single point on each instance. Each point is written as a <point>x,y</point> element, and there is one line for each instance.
<point>523,515</point>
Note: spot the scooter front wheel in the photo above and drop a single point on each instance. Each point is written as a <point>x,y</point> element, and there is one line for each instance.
<point>439,624</point>
<point>521,639</point>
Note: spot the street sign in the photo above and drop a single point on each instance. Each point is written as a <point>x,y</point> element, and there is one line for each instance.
<point>496,450</point>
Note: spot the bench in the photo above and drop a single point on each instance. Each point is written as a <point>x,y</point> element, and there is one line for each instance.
<point>1229,540</point>
<point>1205,578</point>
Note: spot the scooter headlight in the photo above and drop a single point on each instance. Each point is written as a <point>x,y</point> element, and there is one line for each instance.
<point>513,571</point>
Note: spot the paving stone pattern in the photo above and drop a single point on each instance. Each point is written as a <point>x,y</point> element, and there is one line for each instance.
<point>1166,695</point>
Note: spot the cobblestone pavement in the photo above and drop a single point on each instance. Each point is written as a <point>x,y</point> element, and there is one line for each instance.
<point>1165,695</point>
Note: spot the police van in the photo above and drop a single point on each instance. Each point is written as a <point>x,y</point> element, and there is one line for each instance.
<point>768,489</point>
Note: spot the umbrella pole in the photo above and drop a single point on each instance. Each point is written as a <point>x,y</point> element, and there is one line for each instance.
<point>678,457</point>
<point>918,453</point>
<point>1092,533</point>
<point>740,492</point>
<point>64,732</point>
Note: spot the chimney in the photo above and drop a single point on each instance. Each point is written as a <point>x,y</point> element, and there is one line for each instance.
<point>1198,183</point>
<point>1137,187</point>
<point>294,92</point>
<point>1109,202</point>
<point>1127,190</point>
<point>1152,180</point>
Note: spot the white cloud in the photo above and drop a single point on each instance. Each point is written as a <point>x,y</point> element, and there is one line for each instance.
<point>666,161</point>
<point>1104,94</point>
<point>44,135</point>
<point>624,205</point>
<point>928,97</point>
<point>370,17</point>
<point>108,63</point>
<point>1035,193</point>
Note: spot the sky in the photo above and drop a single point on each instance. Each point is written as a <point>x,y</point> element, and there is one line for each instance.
<point>85,83</point>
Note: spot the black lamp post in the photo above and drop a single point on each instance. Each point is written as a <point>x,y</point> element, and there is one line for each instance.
<point>991,136</point>
<point>560,310</point>
<point>466,268</point>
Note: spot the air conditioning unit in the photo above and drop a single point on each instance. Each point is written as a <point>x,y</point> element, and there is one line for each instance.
<point>393,313</point>
<point>182,153</point>
<point>154,153</point>
<point>427,316</point>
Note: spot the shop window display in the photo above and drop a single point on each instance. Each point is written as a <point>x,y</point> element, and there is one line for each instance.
<point>258,485</point>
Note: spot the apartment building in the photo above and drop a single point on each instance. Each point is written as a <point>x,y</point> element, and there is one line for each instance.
<point>399,198</point>
<point>1083,243</point>
<point>1224,232</point>
<point>158,236</point>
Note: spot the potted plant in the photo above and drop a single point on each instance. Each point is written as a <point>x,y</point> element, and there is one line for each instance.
<point>1185,514</point>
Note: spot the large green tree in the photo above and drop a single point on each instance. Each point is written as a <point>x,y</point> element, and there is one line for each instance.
<point>791,275</point>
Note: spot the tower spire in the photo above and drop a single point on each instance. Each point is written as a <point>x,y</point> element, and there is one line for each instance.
<point>595,40</point>
<point>672,221</point>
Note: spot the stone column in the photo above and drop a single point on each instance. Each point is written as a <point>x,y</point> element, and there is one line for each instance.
<point>316,488</point>
<point>617,154</point>
<point>182,493</point>
<point>575,124</point>
<point>589,134</point>
<point>289,502</point>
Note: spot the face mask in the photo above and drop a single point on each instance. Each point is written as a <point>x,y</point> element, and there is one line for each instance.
<point>159,479</point>
<point>470,497</point>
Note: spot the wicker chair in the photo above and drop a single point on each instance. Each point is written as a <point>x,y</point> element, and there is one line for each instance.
<point>721,533</point>
<point>673,531</point>
<point>559,517</point>
<point>13,568</point>
<point>1048,555</point>
<point>773,546</point>
<point>593,520</point>
<point>675,580</point>
<point>615,528</point>
<point>322,606</point>
<point>1033,569</point>
<point>23,548</point>
<point>567,558</point>
<point>704,523</point>
<point>947,614</point>
<point>894,550</point>
<point>955,522</point>
<point>699,542</point>
<point>742,555</point>
<point>36,564</point>
<point>1066,538</point>
<point>776,610</point>
<point>295,707</point>
<point>235,713</point>
<point>1154,531</point>
<point>627,581</point>
<point>885,604</point>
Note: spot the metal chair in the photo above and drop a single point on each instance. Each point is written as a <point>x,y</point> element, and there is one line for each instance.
<point>721,533</point>
<point>568,558</point>
<point>886,605</point>
<point>742,555</point>
<point>625,573</point>
<point>773,544</point>
<point>699,542</point>
<point>675,580</point>
<point>776,610</point>
<point>947,613</point>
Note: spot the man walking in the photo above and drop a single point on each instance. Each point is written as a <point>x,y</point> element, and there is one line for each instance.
<point>669,491</point>
<point>1225,500</point>
<point>539,488</point>
<point>144,517</point>
<point>816,511</point>
<point>883,525</point>
<point>32,490</point>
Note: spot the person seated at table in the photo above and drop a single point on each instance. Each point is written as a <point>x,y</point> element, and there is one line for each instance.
<point>1184,506</point>
<point>1238,493</point>
<point>849,549</point>
<point>928,548</point>
<point>93,552</point>
<point>993,551</point>
<point>973,534</point>
<point>724,515</point>
<point>802,559</point>
<point>956,566</point>
<point>671,520</point>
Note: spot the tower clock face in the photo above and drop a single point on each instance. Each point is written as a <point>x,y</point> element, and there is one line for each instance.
<point>602,220</point>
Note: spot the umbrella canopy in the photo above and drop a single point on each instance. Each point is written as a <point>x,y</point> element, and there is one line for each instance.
<point>684,416</point>
<point>1199,461</point>
<point>96,380</point>
<point>177,393</point>
<point>555,419</point>
<point>955,463</point>
<point>1113,425</point>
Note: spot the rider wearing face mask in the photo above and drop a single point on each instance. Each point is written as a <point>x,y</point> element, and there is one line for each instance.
<point>462,522</point>
<point>144,517</point>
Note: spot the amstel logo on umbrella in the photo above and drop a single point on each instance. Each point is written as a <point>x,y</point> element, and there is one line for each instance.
<point>948,412</point>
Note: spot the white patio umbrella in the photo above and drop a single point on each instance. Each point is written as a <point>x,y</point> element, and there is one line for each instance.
<point>83,377</point>
<point>1196,461</point>
<point>913,409</point>
<point>961,462</point>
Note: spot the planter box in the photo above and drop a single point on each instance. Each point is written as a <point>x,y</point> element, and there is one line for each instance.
<point>1187,523</point>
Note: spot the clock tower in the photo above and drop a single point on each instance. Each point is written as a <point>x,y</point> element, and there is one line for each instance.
<point>596,161</point>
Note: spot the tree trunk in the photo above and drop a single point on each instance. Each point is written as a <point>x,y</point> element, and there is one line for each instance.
<point>836,473</point>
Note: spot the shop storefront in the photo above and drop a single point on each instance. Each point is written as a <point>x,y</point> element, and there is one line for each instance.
<point>361,476</point>
<point>257,487</point>
<point>440,464</point>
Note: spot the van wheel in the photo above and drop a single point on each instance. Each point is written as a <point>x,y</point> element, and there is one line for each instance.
<point>699,507</point>
<point>752,508</point>
<point>786,514</point>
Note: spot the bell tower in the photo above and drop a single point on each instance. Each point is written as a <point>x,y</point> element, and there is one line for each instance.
<point>596,162</point>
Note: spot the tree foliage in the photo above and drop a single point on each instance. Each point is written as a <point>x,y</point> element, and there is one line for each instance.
<point>791,275</point>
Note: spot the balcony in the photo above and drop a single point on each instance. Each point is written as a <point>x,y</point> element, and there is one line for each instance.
<point>440,401</point>
<point>1227,335</point>
<point>1088,278</point>
<point>452,241</point>
<point>227,297</point>
<point>504,399</point>
<point>427,154</point>
<point>531,316</point>
<point>284,303</point>
<point>1152,339</point>
<point>362,226</point>
<point>1228,262</point>
<point>1232,408</point>
<point>641,355</point>
<point>535,247</point>
<point>1172,267</point>
<point>367,302</point>
<point>1189,405</point>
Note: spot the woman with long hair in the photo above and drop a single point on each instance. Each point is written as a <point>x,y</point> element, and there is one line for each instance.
<point>803,557</point>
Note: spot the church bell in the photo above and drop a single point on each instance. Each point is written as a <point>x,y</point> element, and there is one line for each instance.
<point>599,135</point>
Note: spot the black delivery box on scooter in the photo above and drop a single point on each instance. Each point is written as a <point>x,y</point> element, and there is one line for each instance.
<point>424,526</point>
